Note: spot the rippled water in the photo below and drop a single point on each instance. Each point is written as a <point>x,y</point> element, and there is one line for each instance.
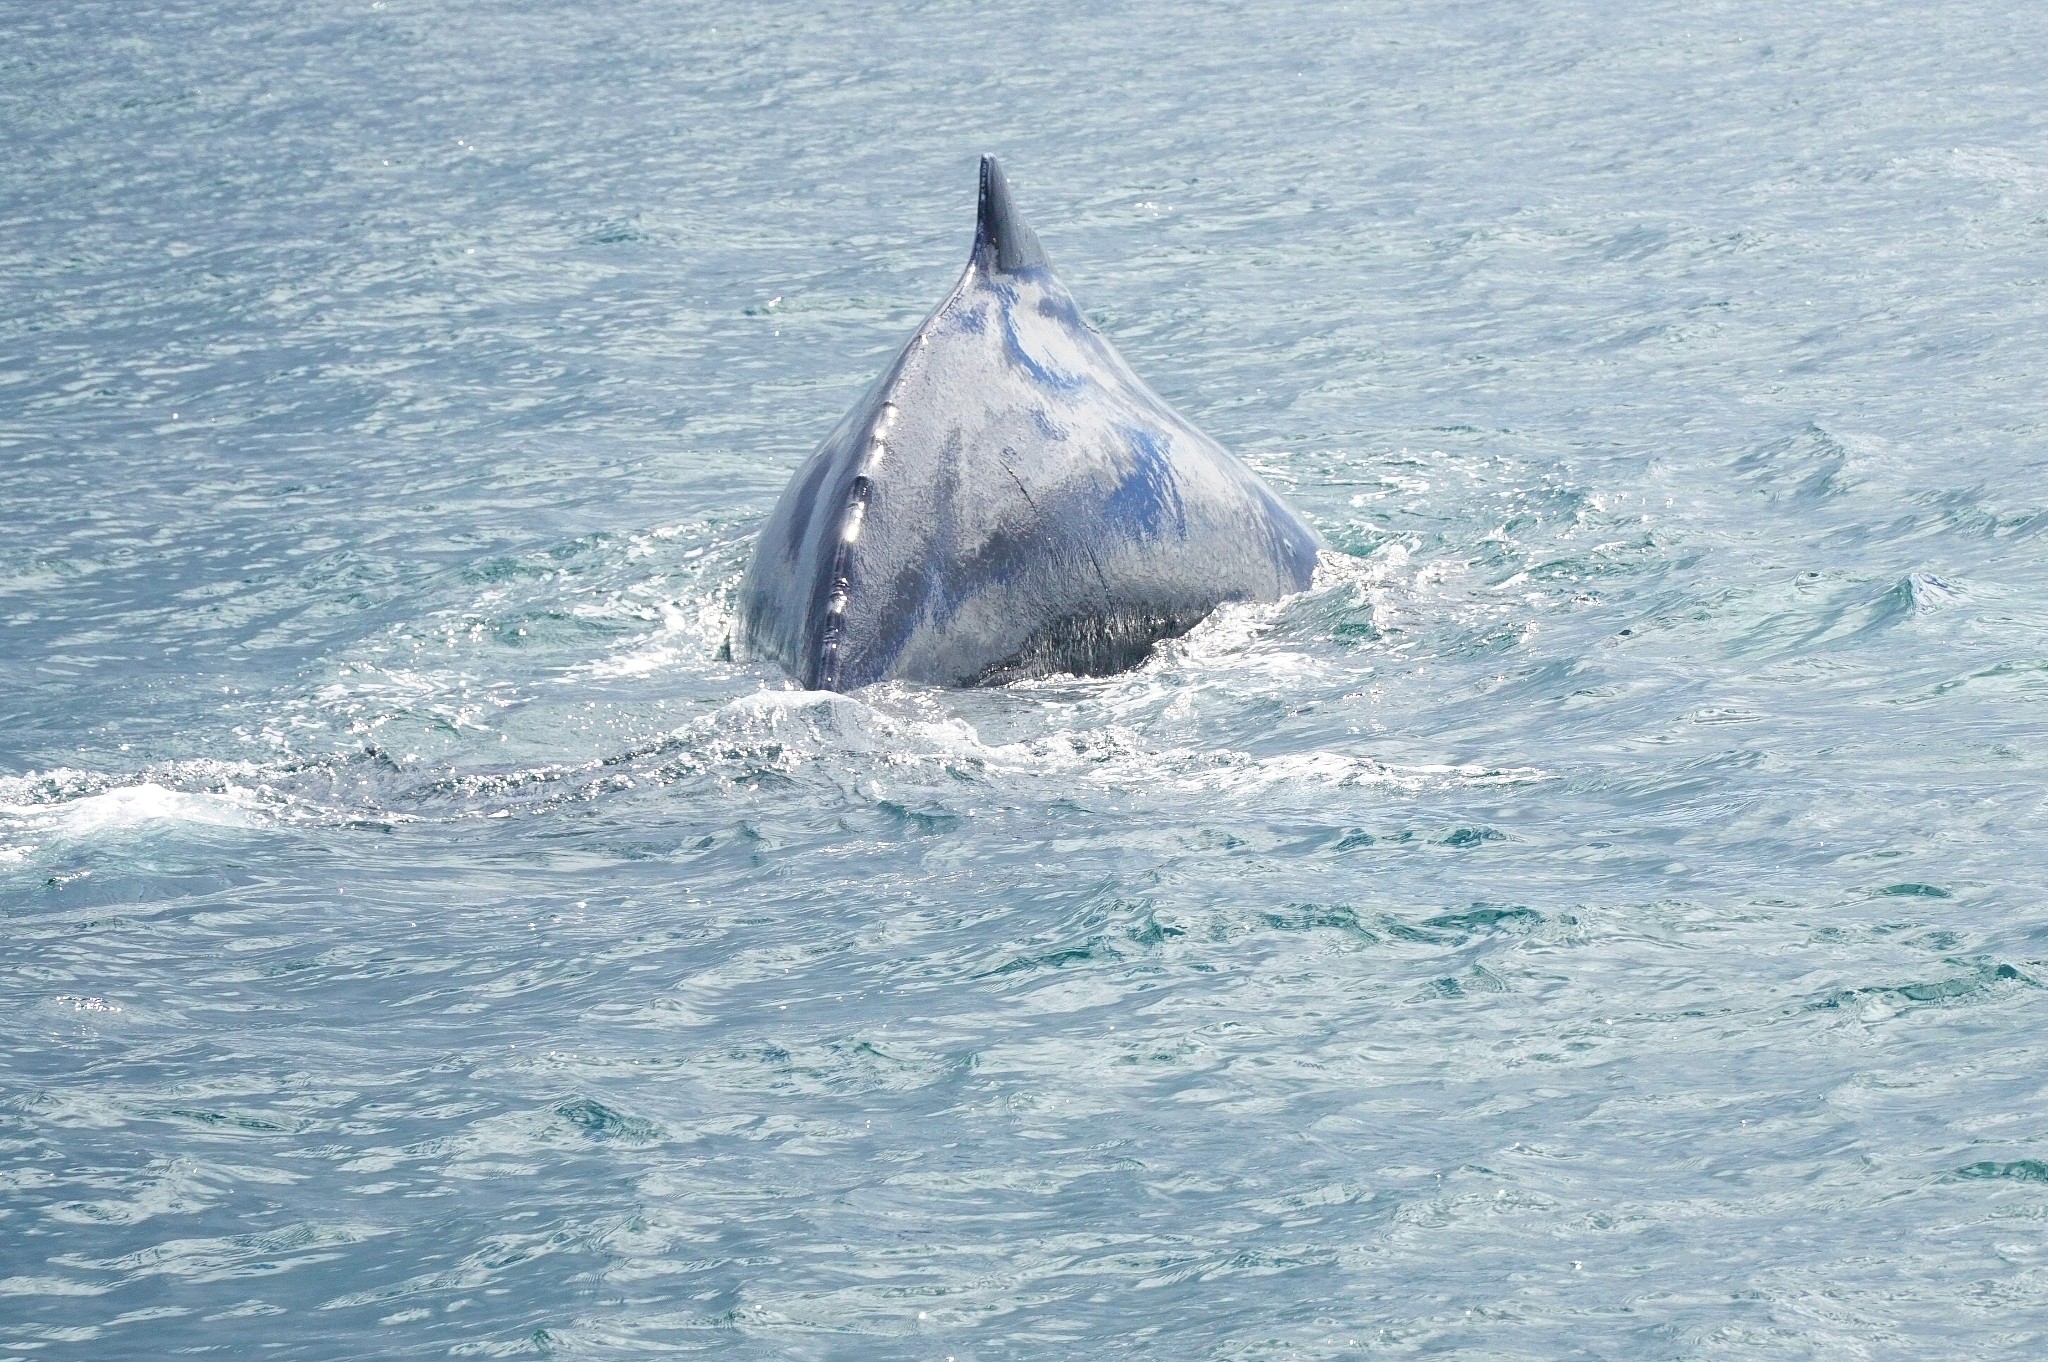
<point>1605,918</point>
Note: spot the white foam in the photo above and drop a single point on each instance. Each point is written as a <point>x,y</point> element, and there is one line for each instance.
<point>813,725</point>
<point>643,661</point>
<point>132,806</point>
<point>689,627</point>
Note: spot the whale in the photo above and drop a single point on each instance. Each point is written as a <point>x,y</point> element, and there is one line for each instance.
<point>1008,500</point>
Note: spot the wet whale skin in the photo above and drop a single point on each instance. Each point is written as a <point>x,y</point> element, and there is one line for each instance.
<point>1007,500</point>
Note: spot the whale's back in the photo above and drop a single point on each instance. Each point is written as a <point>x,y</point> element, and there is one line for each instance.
<point>1009,499</point>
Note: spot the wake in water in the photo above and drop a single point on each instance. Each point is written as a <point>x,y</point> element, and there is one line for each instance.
<point>1136,733</point>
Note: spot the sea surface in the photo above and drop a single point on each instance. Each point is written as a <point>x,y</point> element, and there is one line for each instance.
<point>1606,918</point>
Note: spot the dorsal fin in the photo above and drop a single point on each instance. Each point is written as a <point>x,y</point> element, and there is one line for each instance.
<point>1003,241</point>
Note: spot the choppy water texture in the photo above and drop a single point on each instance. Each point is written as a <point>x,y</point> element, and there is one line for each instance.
<point>1605,918</point>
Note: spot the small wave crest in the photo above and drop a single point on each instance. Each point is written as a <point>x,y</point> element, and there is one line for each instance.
<point>68,805</point>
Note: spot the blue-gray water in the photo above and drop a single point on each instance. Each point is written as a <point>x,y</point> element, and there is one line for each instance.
<point>1605,919</point>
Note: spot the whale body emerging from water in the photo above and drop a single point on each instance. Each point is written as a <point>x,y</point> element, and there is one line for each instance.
<point>1008,500</point>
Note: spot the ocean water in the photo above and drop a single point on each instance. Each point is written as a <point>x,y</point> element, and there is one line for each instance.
<point>1607,917</point>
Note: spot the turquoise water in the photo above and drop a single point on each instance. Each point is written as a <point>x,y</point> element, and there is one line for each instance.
<point>1604,918</point>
